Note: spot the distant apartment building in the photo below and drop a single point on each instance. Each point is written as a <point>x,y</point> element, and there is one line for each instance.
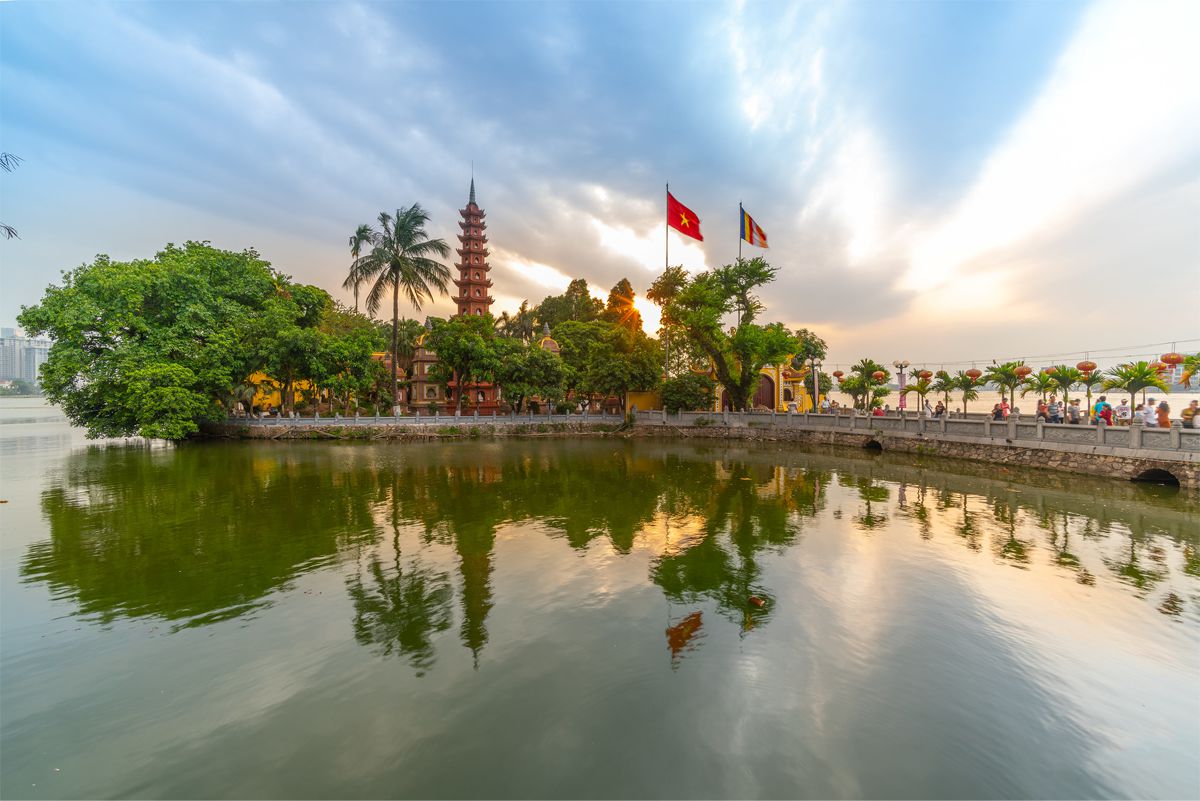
<point>21,357</point>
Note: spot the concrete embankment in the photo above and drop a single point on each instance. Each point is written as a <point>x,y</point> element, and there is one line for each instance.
<point>1089,458</point>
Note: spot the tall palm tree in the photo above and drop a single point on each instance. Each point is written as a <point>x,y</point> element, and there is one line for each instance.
<point>922,387</point>
<point>400,260</point>
<point>1133,378</point>
<point>1040,383</point>
<point>1089,381</point>
<point>968,386</point>
<point>360,237</point>
<point>1005,376</point>
<point>1066,377</point>
<point>944,384</point>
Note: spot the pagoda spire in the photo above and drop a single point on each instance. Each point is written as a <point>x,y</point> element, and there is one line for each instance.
<point>473,295</point>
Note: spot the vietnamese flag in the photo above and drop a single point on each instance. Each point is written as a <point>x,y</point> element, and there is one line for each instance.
<point>682,219</point>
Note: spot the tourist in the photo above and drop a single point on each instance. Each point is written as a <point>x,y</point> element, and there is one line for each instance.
<point>927,409</point>
<point>1123,413</point>
<point>1164,415</point>
<point>1043,411</point>
<point>998,412</point>
<point>1106,413</point>
<point>1149,415</point>
<point>1054,410</point>
<point>1189,414</point>
<point>939,410</point>
<point>877,411</point>
<point>825,405</point>
<point>1101,402</point>
<point>1074,413</point>
<point>1004,407</point>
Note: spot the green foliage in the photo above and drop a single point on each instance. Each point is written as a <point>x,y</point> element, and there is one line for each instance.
<point>601,358</point>
<point>866,391</point>
<point>521,325</point>
<point>153,347</point>
<point>1133,378</point>
<point>1040,384</point>
<point>575,304</point>
<point>19,389</point>
<point>1064,378</point>
<point>466,351</point>
<point>526,370</point>
<point>690,392</point>
<point>922,387</point>
<point>699,308</point>
<point>968,386</point>
<point>620,310</point>
<point>1005,376</point>
<point>402,260</point>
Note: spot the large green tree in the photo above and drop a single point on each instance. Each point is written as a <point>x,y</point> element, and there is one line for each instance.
<point>466,350</point>
<point>700,308</point>
<point>524,371</point>
<point>1005,376</point>
<point>575,304</point>
<point>152,347</point>
<point>620,309</point>
<point>678,356</point>
<point>402,260</point>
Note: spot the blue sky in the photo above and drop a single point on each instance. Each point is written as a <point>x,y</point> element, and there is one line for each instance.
<point>939,181</point>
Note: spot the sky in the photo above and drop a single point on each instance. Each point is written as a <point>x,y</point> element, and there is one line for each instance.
<point>946,183</point>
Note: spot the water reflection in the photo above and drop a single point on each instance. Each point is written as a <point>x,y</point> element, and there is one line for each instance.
<point>197,535</point>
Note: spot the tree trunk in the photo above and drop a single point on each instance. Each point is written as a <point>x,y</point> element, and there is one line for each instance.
<point>395,335</point>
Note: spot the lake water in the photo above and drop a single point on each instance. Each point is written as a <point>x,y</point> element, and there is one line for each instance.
<point>573,619</point>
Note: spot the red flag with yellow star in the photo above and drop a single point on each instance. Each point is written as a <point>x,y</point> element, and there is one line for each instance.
<point>682,219</point>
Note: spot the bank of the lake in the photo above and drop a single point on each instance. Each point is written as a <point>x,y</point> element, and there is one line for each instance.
<point>565,618</point>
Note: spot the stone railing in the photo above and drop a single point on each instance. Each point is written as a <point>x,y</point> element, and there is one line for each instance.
<point>1014,430</point>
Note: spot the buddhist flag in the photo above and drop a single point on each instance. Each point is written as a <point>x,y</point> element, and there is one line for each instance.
<point>751,232</point>
<point>682,219</point>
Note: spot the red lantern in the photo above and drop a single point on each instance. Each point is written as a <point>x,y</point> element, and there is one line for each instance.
<point>1086,366</point>
<point>1050,370</point>
<point>1158,367</point>
<point>838,374</point>
<point>1023,371</point>
<point>925,374</point>
<point>878,375</point>
<point>974,374</point>
<point>1172,358</point>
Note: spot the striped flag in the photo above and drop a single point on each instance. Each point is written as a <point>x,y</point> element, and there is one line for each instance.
<point>751,231</point>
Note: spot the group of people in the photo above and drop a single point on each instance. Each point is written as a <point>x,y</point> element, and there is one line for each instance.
<point>1150,414</point>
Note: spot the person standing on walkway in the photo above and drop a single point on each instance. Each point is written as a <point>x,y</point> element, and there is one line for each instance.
<point>1004,408</point>
<point>1189,414</point>
<point>1054,410</point>
<point>1149,415</point>
<point>1123,413</point>
<point>1074,412</point>
<point>1164,415</point>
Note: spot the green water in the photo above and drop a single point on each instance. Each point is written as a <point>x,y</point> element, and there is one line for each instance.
<point>572,619</point>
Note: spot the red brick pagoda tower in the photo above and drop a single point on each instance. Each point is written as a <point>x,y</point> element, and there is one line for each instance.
<point>473,283</point>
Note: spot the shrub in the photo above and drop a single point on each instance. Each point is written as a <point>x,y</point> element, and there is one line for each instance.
<point>688,393</point>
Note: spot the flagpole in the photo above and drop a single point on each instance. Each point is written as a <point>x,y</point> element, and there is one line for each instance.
<point>741,222</point>
<point>666,266</point>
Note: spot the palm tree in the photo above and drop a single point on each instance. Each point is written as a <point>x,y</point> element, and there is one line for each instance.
<point>1133,378</point>
<point>944,384</point>
<point>1005,376</point>
<point>360,237</point>
<point>1066,377</point>
<point>1040,383</point>
<point>400,261</point>
<point>923,387</point>
<point>967,385</point>
<point>1094,378</point>
<point>863,387</point>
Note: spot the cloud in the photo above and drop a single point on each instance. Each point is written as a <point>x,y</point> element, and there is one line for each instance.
<point>1115,112</point>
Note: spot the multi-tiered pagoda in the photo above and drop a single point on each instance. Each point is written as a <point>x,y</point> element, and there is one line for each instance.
<point>473,283</point>
<point>473,296</point>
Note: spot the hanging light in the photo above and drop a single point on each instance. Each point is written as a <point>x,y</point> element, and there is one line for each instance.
<point>925,374</point>
<point>1086,366</point>
<point>878,375</point>
<point>1023,370</point>
<point>1172,358</point>
<point>1050,370</point>
<point>974,374</point>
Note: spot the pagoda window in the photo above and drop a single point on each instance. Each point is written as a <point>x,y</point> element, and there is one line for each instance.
<point>476,293</point>
<point>431,392</point>
<point>476,275</point>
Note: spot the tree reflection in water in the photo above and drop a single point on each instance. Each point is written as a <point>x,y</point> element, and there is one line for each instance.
<point>200,534</point>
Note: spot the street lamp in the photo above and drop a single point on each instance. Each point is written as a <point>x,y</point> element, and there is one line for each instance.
<point>900,365</point>
<point>816,385</point>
